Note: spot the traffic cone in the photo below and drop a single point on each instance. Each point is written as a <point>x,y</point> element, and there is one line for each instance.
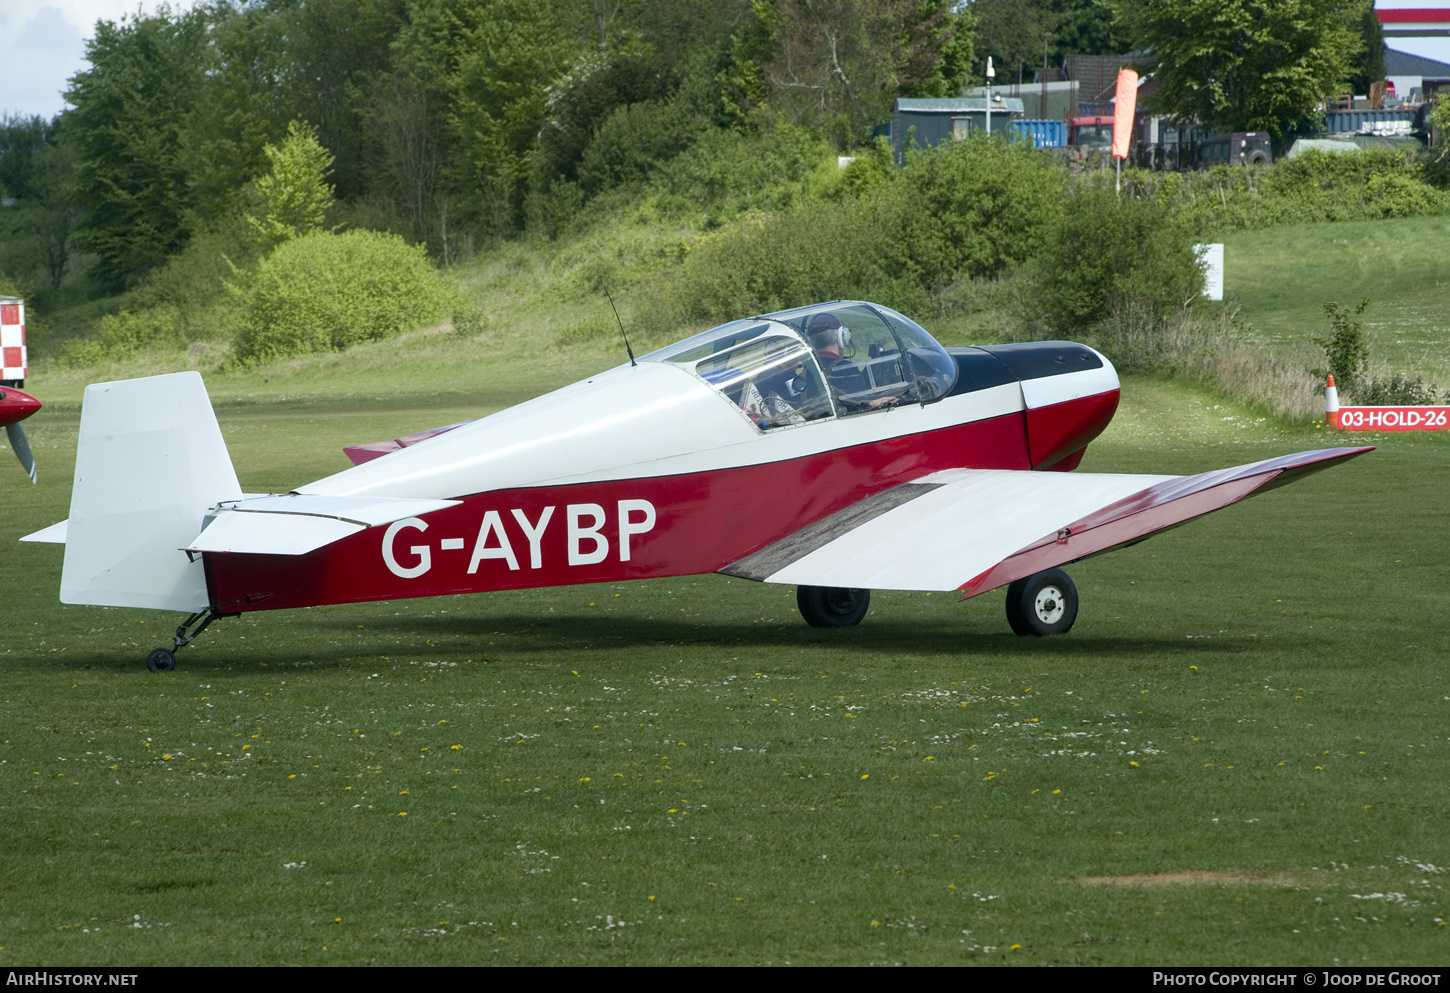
<point>1331,403</point>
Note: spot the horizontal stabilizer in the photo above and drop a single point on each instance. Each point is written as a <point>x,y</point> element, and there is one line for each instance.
<point>55,534</point>
<point>977,529</point>
<point>359,454</point>
<point>297,523</point>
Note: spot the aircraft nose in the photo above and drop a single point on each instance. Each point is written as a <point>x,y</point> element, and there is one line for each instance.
<point>16,406</point>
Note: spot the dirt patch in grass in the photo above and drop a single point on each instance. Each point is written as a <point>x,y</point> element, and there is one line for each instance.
<point>1192,878</point>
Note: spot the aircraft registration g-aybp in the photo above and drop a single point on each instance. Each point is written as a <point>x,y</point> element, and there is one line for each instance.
<point>837,448</point>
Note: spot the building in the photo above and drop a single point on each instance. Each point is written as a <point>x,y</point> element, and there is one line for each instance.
<point>931,122</point>
<point>1415,77</point>
<point>1417,39</point>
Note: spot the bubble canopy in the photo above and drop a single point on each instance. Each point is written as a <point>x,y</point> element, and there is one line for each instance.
<point>831,359</point>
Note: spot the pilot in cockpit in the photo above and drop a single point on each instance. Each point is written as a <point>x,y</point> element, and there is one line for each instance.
<point>829,338</point>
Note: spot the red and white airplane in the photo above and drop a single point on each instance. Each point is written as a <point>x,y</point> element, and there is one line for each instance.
<point>15,407</point>
<point>837,448</point>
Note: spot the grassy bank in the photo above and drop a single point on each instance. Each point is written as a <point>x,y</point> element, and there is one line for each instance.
<point>1283,276</point>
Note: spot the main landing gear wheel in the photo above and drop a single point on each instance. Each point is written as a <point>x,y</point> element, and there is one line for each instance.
<point>1045,603</point>
<point>831,607</point>
<point>161,660</point>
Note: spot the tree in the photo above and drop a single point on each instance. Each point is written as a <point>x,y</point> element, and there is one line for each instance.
<point>295,192</point>
<point>839,64</point>
<point>1011,32</point>
<point>1369,67</point>
<point>127,127</point>
<point>333,49</point>
<point>410,137</point>
<point>37,170</point>
<point>1246,65</point>
<point>242,103</point>
<point>1084,27</point>
<point>491,63</point>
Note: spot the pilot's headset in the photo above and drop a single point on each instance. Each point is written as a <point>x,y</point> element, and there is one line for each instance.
<point>825,330</point>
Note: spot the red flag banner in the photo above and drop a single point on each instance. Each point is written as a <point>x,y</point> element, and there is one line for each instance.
<point>1125,105</point>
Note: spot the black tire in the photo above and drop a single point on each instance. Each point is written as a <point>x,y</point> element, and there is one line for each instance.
<point>1257,157</point>
<point>161,660</point>
<point>832,607</point>
<point>1045,603</point>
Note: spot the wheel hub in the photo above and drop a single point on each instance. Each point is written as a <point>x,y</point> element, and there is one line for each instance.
<point>1049,605</point>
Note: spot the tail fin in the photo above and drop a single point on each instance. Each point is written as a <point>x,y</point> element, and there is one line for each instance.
<point>151,461</point>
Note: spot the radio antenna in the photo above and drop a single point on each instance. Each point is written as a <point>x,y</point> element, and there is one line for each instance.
<point>621,327</point>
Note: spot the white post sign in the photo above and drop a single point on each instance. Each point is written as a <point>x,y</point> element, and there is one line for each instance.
<point>1212,258</point>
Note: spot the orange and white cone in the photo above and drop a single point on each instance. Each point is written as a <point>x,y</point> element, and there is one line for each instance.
<point>1331,403</point>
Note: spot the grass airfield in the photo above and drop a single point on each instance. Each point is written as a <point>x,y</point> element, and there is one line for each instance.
<point>1237,756</point>
<point>1282,276</point>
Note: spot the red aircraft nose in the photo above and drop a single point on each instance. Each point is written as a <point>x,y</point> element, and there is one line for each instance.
<point>16,406</point>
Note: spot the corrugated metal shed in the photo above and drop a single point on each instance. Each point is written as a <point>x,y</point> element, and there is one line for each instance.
<point>932,122</point>
<point>1368,121</point>
<point>1044,134</point>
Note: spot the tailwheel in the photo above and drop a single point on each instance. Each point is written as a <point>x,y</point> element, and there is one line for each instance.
<point>1045,603</point>
<point>832,607</point>
<point>161,660</point>
<point>164,659</point>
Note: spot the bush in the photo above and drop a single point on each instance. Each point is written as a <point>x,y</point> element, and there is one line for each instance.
<point>1345,347</point>
<point>1115,257</point>
<point>769,262</point>
<point>323,292</point>
<point>1370,184</point>
<point>727,173</point>
<point>1399,390</point>
<point>896,236</point>
<point>126,333</point>
<point>632,140</point>
<point>970,208</point>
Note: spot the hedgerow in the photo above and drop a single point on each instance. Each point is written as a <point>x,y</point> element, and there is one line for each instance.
<point>1371,184</point>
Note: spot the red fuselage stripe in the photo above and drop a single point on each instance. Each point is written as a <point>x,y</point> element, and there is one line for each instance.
<point>605,531</point>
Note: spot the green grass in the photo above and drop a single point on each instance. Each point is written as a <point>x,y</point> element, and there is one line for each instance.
<point>1283,276</point>
<point>681,771</point>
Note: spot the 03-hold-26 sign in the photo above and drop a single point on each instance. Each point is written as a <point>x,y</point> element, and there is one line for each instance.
<point>1426,418</point>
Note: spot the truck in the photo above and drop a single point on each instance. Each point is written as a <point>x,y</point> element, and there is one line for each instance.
<point>1239,148</point>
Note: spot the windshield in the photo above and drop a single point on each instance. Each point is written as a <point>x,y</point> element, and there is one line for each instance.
<point>872,356</point>
<point>800,365</point>
<point>763,368</point>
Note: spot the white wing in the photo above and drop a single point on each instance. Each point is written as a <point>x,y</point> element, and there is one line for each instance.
<point>977,529</point>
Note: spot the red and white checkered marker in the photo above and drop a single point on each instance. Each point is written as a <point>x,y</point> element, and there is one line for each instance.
<point>1435,418</point>
<point>12,338</point>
